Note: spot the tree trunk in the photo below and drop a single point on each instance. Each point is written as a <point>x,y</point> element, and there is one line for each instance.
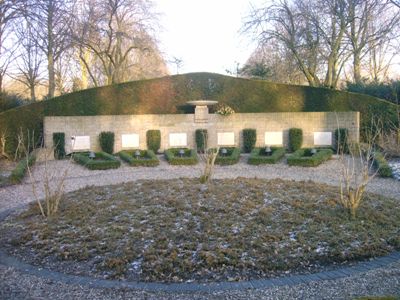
<point>33,95</point>
<point>357,67</point>
<point>50,51</point>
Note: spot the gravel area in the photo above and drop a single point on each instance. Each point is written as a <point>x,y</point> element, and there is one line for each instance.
<point>16,285</point>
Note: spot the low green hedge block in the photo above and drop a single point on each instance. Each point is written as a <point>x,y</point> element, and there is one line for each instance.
<point>103,161</point>
<point>20,170</point>
<point>249,139</point>
<point>258,157</point>
<point>106,140</point>
<point>382,165</point>
<point>342,140</point>
<point>304,158</point>
<point>59,145</point>
<point>201,136</point>
<point>153,140</point>
<point>230,158</point>
<point>173,157</point>
<point>295,139</point>
<point>147,158</point>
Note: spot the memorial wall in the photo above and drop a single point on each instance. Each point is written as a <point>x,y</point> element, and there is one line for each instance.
<point>178,130</point>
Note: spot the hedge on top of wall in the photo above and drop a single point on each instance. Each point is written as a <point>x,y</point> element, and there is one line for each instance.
<point>169,95</point>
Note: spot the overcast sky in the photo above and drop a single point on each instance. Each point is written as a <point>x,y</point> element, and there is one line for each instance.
<point>204,33</point>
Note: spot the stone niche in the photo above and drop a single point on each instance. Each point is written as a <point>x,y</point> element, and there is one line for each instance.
<point>130,141</point>
<point>80,143</point>
<point>273,138</point>
<point>323,138</point>
<point>177,139</point>
<point>226,139</point>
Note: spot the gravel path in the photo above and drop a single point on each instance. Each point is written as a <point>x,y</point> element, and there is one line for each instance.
<point>17,285</point>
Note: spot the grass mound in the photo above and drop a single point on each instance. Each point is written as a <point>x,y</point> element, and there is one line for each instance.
<point>179,230</point>
<point>169,95</point>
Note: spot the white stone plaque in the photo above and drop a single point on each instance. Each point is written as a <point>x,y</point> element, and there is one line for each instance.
<point>273,138</point>
<point>80,143</point>
<point>177,139</point>
<point>226,138</point>
<point>130,140</point>
<point>322,138</point>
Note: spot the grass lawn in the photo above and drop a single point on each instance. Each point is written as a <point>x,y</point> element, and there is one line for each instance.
<point>180,230</point>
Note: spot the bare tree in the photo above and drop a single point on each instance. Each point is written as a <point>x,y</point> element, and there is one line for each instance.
<point>178,62</point>
<point>9,11</point>
<point>53,20</point>
<point>371,23</point>
<point>30,60</point>
<point>312,31</point>
<point>113,31</point>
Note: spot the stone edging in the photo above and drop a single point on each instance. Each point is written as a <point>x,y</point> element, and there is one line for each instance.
<point>291,280</point>
<point>198,287</point>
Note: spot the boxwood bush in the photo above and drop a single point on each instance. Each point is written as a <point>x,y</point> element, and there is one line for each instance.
<point>173,157</point>
<point>20,170</point>
<point>382,165</point>
<point>295,139</point>
<point>106,139</point>
<point>59,145</point>
<point>341,140</point>
<point>147,158</point>
<point>201,136</point>
<point>102,161</point>
<point>231,157</point>
<point>249,139</point>
<point>304,157</point>
<point>258,156</point>
<point>153,140</point>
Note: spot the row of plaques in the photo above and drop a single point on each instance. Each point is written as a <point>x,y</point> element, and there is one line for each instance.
<point>271,138</point>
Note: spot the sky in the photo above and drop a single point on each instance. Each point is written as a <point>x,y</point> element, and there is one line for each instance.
<point>204,34</point>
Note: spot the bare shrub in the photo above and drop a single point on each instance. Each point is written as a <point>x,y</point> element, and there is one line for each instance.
<point>51,181</point>
<point>357,170</point>
<point>3,143</point>
<point>208,155</point>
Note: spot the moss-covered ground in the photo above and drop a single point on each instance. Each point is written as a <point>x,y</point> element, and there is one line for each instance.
<point>181,230</point>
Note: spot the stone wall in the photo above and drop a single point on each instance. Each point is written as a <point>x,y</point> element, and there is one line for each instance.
<point>91,126</point>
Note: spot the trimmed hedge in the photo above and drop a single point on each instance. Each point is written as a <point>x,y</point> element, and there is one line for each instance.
<point>168,95</point>
<point>147,158</point>
<point>295,139</point>
<point>230,158</point>
<point>258,157</point>
<point>106,139</point>
<point>382,165</point>
<point>106,161</point>
<point>20,170</point>
<point>341,140</point>
<point>249,139</point>
<point>59,145</point>
<point>173,158</point>
<point>201,136</point>
<point>153,140</point>
<point>304,158</point>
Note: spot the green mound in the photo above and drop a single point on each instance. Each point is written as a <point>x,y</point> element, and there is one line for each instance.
<point>169,95</point>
